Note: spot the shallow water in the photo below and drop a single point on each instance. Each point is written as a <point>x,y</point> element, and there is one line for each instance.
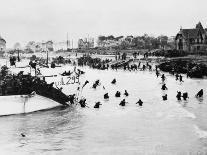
<point>159,127</point>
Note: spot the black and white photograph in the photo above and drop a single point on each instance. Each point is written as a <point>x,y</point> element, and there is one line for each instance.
<point>103,77</point>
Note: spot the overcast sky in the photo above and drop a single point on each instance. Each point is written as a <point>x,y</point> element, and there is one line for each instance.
<point>27,20</point>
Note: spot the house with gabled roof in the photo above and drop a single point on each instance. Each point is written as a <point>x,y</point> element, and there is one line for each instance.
<point>194,39</point>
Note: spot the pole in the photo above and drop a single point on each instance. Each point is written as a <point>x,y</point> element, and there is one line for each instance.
<point>47,57</point>
<point>18,55</point>
<point>72,44</point>
<point>67,43</point>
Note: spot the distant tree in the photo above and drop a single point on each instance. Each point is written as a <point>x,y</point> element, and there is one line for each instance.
<point>129,39</point>
<point>163,40</point>
<point>124,45</point>
<point>111,37</point>
<point>155,43</point>
<point>120,37</point>
<point>30,46</point>
<point>147,41</point>
<point>17,46</point>
<point>138,42</point>
<point>101,38</point>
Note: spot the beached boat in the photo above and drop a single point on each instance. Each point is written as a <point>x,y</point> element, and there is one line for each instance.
<point>19,104</point>
<point>25,93</point>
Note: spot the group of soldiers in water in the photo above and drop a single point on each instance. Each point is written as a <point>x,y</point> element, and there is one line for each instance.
<point>21,87</point>
<point>179,95</point>
<point>123,102</point>
<point>83,103</point>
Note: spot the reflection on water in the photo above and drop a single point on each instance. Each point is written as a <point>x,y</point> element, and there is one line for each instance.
<point>162,127</point>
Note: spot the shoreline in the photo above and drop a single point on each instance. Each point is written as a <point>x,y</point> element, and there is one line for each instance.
<point>163,62</point>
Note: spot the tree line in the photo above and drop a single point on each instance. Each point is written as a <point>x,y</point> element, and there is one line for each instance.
<point>135,42</point>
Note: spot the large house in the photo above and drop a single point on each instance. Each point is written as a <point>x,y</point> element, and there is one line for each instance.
<point>2,44</point>
<point>192,39</point>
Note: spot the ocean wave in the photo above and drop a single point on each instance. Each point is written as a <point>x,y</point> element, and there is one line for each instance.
<point>180,113</point>
<point>189,114</point>
<point>199,132</point>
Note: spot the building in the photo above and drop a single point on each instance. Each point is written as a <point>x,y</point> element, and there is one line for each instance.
<point>2,44</point>
<point>194,39</point>
<point>109,42</point>
<point>33,46</point>
<point>86,43</point>
<point>49,45</point>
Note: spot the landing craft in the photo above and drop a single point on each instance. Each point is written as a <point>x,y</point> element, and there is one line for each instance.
<point>19,104</point>
<point>41,98</point>
<point>25,94</point>
<point>44,96</point>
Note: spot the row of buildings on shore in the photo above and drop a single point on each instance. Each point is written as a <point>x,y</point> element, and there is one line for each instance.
<point>31,46</point>
<point>194,39</point>
<point>39,46</point>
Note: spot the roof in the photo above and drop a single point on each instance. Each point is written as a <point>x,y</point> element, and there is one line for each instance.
<point>190,33</point>
<point>199,25</point>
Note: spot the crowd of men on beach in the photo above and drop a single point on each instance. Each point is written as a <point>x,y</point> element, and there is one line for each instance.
<point>95,63</point>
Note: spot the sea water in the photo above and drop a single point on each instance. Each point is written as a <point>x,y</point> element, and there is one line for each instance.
<point>158,127</point>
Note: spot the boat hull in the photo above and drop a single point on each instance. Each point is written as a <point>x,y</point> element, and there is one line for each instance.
<point>19,104</point>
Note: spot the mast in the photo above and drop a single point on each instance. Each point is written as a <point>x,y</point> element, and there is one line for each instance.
<point>47,53</point>
<point>67,43</point>
<point>88,42</point>
<point>18,55</point>
<point>72,44</point>
<point>47,56</point>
